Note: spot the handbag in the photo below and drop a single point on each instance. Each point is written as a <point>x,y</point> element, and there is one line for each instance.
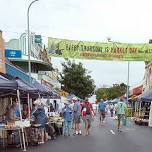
<point>125,121</point>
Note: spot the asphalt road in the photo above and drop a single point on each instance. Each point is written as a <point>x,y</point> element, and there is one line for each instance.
<point>102,139</point>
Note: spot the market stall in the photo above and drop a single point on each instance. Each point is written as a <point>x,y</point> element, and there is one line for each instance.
<point>150,116</point>
<point>144,107</point>
<point>7,88</point>
<point>18,91</point>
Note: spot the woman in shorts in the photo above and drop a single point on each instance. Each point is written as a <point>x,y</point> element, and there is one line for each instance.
<point>87,117</point>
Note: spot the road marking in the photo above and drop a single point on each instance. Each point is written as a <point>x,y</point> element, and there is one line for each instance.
<point>112,132</point>
<point>130,129</point>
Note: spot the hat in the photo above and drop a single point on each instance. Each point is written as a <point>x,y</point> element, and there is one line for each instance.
<point>37,102</point>
<point>74,98</point>
<point>68,99</point>
<point>86,99</point>
<point>67,103</point>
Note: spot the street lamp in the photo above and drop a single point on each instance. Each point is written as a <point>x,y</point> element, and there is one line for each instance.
<point>128,72</point>
<point>28,42</point>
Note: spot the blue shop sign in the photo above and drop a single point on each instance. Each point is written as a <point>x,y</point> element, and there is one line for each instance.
<point>9,53</point>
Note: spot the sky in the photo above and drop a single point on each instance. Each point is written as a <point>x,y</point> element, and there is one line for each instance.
<point>90,20</point>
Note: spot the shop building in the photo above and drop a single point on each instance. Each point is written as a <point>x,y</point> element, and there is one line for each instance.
<point>41,66</point>
<point>148,75</point>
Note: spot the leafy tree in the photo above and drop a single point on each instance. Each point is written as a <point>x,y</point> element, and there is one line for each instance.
<point>75,79</point>
<point>112,92</point>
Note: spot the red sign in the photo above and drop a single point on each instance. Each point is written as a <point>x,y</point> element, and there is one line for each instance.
<point>138,90</point>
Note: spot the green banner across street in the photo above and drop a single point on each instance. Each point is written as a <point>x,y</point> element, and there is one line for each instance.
<point>100,51</point>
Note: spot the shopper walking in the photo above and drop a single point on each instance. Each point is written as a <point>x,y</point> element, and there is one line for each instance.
<point>41,119</point>
<point>88,115</point>
<point>121,108</point>
<point>77,116</point>
<point>67,114</point>
<point>102,111</point>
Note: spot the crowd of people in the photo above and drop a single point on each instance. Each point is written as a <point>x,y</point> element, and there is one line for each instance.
<point>75,111</point>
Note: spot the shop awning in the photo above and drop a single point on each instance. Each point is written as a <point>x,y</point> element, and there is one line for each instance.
<point>55,95</point>
<point>6,84</point>
<point>146,96</point>
<point>9,87</point>
<point>43,89</point>
<point>25,87</point>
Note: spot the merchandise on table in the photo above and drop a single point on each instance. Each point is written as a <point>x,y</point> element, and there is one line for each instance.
<point>141,121</point>
<point>56,119</point>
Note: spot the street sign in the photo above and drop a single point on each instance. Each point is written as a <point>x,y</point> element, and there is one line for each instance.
<point>9,53</point>
<point>38,39</point>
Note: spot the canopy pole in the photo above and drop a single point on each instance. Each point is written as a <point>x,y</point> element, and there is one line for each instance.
<point>11,101</point>
<point>128,74</point>
<point>135,107</point>
<point>23,137</point>
<point>19,101</point>
<point>132,105</point>
<point>140,109</point>
<point>29,107</point>
<point>48,106</point>
<point>39,95</point>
